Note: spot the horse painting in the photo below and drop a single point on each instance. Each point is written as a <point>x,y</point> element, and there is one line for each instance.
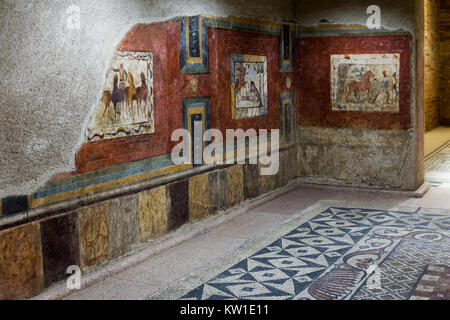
<point>106,99</point>
<point>118,97</point>
<point>365,82</point>
<point>130,93</point>
<point>355,87</point>
<point>126,106</point>
<point>142,94</point>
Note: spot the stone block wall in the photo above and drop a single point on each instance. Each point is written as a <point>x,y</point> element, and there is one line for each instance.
<point>444,88</point>
<point>432,65</point>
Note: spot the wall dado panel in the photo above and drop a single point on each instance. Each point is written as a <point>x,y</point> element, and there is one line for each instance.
<point>35,255</point>
<point>239,74</point>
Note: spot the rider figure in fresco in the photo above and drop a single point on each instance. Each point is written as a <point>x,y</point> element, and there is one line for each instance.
<point>123,76</point>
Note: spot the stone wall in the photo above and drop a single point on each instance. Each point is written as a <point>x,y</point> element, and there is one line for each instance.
<point>432,65</point>
<point>445,61</point>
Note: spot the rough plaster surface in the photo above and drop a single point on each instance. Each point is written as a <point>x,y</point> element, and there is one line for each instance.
<point>51,78</point>
<point>394,14</point>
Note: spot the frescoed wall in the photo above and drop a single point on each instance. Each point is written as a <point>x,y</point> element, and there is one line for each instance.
<point>255,106</point>
<point>346,136</point>
<point>337,127</point>
<point>53,75</point>
<point>126,107</point>
<point>365,82</point>
<point>73,63</point>
<point>432,76</point>
<point>316,105</point>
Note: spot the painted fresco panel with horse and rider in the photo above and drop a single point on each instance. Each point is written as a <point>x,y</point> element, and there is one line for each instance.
<point>126,107</point>
<point>365,82</point>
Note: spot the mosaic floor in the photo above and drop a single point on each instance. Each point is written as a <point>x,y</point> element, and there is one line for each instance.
<point>434,284</point>
<point>332,250</point>
<point>437,167</point>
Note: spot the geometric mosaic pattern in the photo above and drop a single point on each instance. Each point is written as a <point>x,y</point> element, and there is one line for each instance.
<point>341,253</point>
<point>437,167</point>
<point>434,284</point>
<point>402,270</point>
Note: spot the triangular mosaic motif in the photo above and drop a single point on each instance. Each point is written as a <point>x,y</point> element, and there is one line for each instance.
<point>342,253</point>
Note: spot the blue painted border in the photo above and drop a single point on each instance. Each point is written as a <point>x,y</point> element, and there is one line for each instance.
<point>189,103</point>
<point>289,67</point>
<point>194,68</point>
<point>145,166</point>
<point>240,26</point>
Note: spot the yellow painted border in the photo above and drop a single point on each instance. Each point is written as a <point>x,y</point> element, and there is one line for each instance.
<point>34,203</point>
<point>233,101</point>
<point>249,58</point>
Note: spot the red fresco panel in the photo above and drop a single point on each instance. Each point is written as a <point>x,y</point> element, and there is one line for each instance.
<point>312,58</point>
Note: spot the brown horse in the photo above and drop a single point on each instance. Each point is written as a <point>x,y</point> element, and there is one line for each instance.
<point>130,93</point>
<point>355,87</point>
<point>142,93</point>
<point>106,99</point>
